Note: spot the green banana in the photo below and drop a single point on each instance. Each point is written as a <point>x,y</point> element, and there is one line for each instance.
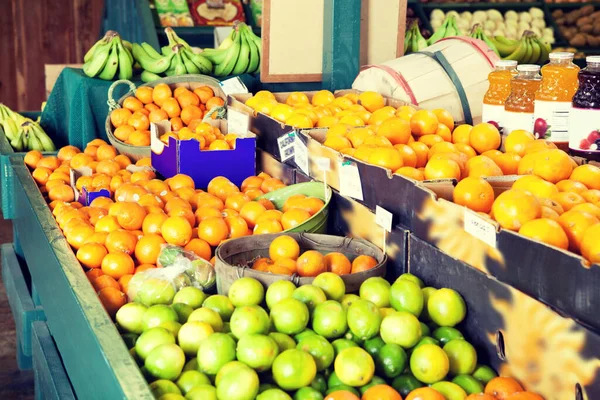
<point>440,33</point>
<point>46,143</point>
<point>110,69</point>
<point>243,59</point>
<point>34,142</point>
<point>452,29</point>
<point>148,76</point>
<point>504,46</point>
<point>226,43</point>
<point>174,39</point>
<point>536,51</point>
<point>95,65</point>
<point>527,58</point>
<point>203,63</point>
<point>190,67</point>
<point>544,53</point>
<point>520,52</point>
<point>90,53</point>
<point>215,56</point>
<point>477,33</point>
<point>17,142</point>
<point>254,63</point>
<point>407,41</point>
<point>151,51</point>
<point>226,67</point>
<point>177,62</point>
<point>127,45</point>
<point>125,64</point>
<point>421,43</point>
<point>10,128</point>
<point>154,65</point>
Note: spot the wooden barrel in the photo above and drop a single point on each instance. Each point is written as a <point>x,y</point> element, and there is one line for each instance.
<point>450,74</point>
<point>235,257</point>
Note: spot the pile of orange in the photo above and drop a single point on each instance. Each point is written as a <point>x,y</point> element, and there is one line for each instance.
<point>182,107</point>
<point>118,236</point>
<point>285,258</point>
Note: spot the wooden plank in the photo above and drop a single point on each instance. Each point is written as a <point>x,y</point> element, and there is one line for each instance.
<point>8,86</point>
<point>87,20</point>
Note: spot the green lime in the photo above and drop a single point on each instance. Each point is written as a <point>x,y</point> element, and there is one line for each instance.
<point>191,365</point>
<point>332,285</point>
<point>376,290</point>
<point>171,326</point>
<point>274,394</point>
<point>156,315</point>
<point>278,291</point>
<point>354,366</point>
<point>191,335</point>
<point>462,356</point>
<point>214,352</point>
<point>163,386</point>
<point>319,348</point>
<point>228,367</point>
<point>239,384</point>
<point>209,316</point>
<point>427,292</point>
<point>249,319</point>
<point>319,383</point>
<point>191,296</point>
<point>151,339</point>
<point>427,340</point>
<point>246,291</point>
<point>130,317</point>
<point>165,361</point>
<point>257,351</point>
<point>308,393</point>
<point>284,342</point>
<point>484,374</point>
<point>294,369</point>
<point>374,382</point>
<point>183,311</point>
<point>469,384</point>
<point>329,319</point>
<point>429,363</point>
<point>405,295</point>
<point>406,383</point>
<point>202,392</point>
<point>348,299</point>
<point>385,311</point>
<point>310,295</point>
<point>413,278</point>
<point>356,339</point>
<point>303,334</point>
<point>341,344</point>
<point>226,327</point>
<point>373,345</point>
<point>425,331</point>
<point>221,304</point>
<point>266,386</point>
<point>290,316</point>
<point>334,381</point>
<point>401,328</point>
<point>189,379</point>
<point>391,360</point>
<point>445,334</point>
<point>171,396</point>
<point>345,388</point>
<point>446,307</point>
<point>364,319</point>
<point>451,391</point>
<point>168,255</point>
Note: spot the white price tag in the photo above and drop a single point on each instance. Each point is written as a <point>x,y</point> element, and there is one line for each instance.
<point>480,228</point>
<point>286,145</point>
<point>350,183</point>
<point>301,155</point>
<point>233,86</point>
<point>323,164</point>
<point>383,218</point>
<point>237,122</point>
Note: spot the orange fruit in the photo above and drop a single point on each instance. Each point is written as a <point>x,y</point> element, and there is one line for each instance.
<point>129,192</point>
<point>442,169</point>
<point>508,163</point>
<point>98,238</point>
<point>120,116</point>
<point>148,248</point>
<point>206,212</point>
<point>474,193</point>
<point>32,158</point>
<point>139,121</point>
<point>41,175</point>
<point>271,184</point>
<point>237,227</point>
<point>207,200</point>
<point>214,102</point>
<point>204,93</point>
<point>294,217</point>
<point>161,93</point>
<point>190,113</point>
<point>443,132</point>
<point>268,204</point>
<point>79,235</point>
<point>187,99</point>
<point>589,244</point>
<point>525,396</point>
<point>116,265</point>
<point>567,200</point>
<point>444,117</point>
<point>284,266</point>
<point>370,100</point>
<point>466,149</point>
<point>176,124</point>
<point>568,185</point>
<point>587,208</point>
<point>130,215</point>
<point>409,156</point>
<point>480,396</point>
<point>284,246</point>
<point>341,395</point>
<point>575,223</point>
<point>103,281</point>
<point>293,201</point>
<point>482,166</point>
<point>421,150</point>
<point>180,180</point>
<point>484,137</point>
<point>430,140</point>
<point>262,264</point>
<point>381,392</point>
<point>62,192</point>
<point>363,263</point>
<point>396,130</point>
<point>538,145</point>
<point>221,187</point>
<point>386,157</point>
<point>311,263</point>
<point>251,211</point>
<point>66,153</point>
<point>546,231</point>
<point>515,207</point>
<point>153,223</point>
<point>106,152</point>
<point>423,122</point>
<point>93,274</point>
<point>267,226</point>
<point>425,393</point>
<point>112,299</point>
<point>461,134</point>
<point>199,247</point>
<point>443,147</point>
<point>536,185</point>
<point>311,204</point>
<point>516,141</point>
<point>176,231</point>
<point>411,173</point>
<point>253,182</point>
<point>552,165</point>
<point>337,263</point>
<point>502,387</point>
<point>587,174</point>
<point>107,224</point>
<point>121,241</point>
<point>144,94</point>
<point>90,255</point>
<point>213,230</point>
<point>158,115</point>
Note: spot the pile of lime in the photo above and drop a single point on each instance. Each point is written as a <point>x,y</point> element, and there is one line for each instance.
<point>304,342</point>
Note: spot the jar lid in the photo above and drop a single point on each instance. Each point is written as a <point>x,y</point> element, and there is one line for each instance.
<point>506,63</point>
<point>592,59</point>
<point>561,55</point>
<point>528,68</point>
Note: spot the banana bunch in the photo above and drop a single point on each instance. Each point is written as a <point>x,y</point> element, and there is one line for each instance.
<point>238,54</point>
<point>178,58</point>
<point>477,33</point>
<point>528,50</point>
<point>414,41</point>
<point>448,29</point>
<point>107,56</point>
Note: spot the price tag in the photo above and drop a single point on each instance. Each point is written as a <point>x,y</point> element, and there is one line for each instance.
<point>237,122</point>
<point>286,146</point>
<point>301,155</point>
<point>350,183</point>
<point>233,86</point>
<point>323,164</point>
<point>480,228</point>
<point>383,218</point>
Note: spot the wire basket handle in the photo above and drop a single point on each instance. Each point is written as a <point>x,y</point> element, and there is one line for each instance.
<point>112,103</point>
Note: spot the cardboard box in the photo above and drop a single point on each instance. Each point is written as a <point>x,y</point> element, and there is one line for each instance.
<point>185,157</point>
<point>519,336</point>
<point>85,196</point>
<point>268,164</point>
<point>552,275</point>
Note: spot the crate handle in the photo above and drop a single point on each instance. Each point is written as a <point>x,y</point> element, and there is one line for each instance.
<point>112,103</point>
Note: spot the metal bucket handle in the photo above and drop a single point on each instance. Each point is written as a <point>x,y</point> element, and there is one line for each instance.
<point>295,279</point>
<point>345,243</point>
<point>240,275</point>
<point>112,103</point>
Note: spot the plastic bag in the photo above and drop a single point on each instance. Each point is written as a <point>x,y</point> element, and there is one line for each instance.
<point>180,268</point>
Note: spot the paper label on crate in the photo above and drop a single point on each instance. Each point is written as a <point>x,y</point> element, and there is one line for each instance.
<point>350,183</point>
<point>233,86</point>
<point>323,164</point>
<point>237,122</point>
<point>286,145</point>
<point>301,155</point>
<point>480,228</point>
<point>383,218</point>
